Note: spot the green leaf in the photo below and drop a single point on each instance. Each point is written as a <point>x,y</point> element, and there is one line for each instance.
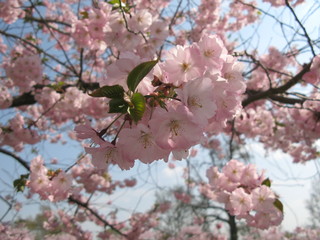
<point>84,15</point>
<point>138,107</point>
<point>44,60</point>
<point>112,2</point>
<point>278,204</point>
<point>57,86</point>
<point>115,4</point>
<point>138,73</point>
<point>267,182</point>
<point>20,183</point>
<point>114,91</point>
<point>40,3</point>
<point>118,105</point>
<point>280,124</point>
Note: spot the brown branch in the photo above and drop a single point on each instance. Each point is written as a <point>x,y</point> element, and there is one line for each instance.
<point>8,210</point>
<point>43,20</point>
<point>20,160</point>
<point>24,99</point>
<point>286,100</point>
<point>94,213</point>
<point>29,99</point>
<point>173,19</point>
<point>46,22</point>
<point>272,92</point>
<point>302,27</point>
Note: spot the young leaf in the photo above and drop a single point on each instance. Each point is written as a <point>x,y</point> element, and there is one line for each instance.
<point>267,182</point>
<point>57,86</point>
<point>113,2</point>
<point>20,183</point>
<point>114,91</point>
<point>138,73</point>
<point>118,105</point>
<point>139,106</point>
<point>278,204</point>
<point>84,15</point>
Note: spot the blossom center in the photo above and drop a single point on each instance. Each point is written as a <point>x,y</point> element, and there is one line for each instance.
<point>194,101</point>
<point>229,76</point>
<point>185,66</point>
<point>208,53</point>
<point>145,140</point>
<point>109,155</point>
<point>174,127</point>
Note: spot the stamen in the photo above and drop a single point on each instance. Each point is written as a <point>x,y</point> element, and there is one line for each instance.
<point>194,102</point>
<point>174,127</point>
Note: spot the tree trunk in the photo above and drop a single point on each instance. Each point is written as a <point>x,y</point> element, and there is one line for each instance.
<point>233,228</point>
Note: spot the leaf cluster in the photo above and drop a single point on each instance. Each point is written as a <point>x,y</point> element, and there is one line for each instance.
<point>130,102</point>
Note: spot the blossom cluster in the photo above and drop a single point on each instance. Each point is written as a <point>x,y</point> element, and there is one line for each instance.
<point>54,186</point>
<point>15,134</point>
<point>102,27</point>
<point>198,89</point>
<point>25,70</point>
<point>278,130</point>
<point>64,223</point>
<point>10,10</point>
<point>246,194</point>
<point>313,76</point>
<point>58,185</point>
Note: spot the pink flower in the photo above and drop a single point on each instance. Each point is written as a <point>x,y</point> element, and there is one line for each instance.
<point>5,97</point>
<point>141,20</point>
<point>264,220</point>
<point>183,197</point>
<point>240,202</point>
<point>232,72</point>
<point>214,176</point>
<point>213,52</point>
<point>25,71</point>
<point>197,96</point>
<point>181,66</point>
<point>171,165</point>
<point>233,170</point>
<point>139,143</point>
<point>263,199</point>
<point>37,166</point>
<point>39,183</point>
<point>159,30</point>
<point>11,10</point>
<point>250,177</point>
<point>175,129</point>
<point>227,184</point>
<point>108,154</point>
<point>313,76</point>
<point>60,186</point>
<point>86,131</point>
<point>130,182</point>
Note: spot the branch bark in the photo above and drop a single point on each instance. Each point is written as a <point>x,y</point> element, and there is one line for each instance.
<point>272,92</point>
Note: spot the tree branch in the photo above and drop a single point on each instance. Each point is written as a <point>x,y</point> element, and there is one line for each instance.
<point>20,160</point>
<point>106,223</point>
<point>28,98</point>
<point>271,92</point>
<point>302,27</point>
